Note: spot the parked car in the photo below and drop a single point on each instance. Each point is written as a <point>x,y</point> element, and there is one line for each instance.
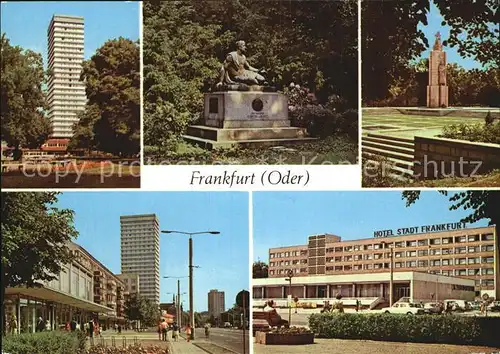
<point>475,305</point>
<point>458,305</point>
<point>433,308</point>
<point>405,308</point>
<point>494,306</point>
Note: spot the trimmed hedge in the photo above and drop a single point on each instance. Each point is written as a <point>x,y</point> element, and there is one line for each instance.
<point>55,342</point>
<point>406,328</point>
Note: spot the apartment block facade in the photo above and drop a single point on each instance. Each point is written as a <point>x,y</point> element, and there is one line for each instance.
<point>108,289</point>
<point>66,93</point>
<point>140,252</point>
<point>130,283</point>
<point>216,302</point>
<point>464,253</point>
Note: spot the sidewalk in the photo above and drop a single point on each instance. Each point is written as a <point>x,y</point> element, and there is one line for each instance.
<point>183,347</point>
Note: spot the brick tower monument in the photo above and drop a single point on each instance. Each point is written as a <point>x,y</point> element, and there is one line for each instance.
<point>437,90</point>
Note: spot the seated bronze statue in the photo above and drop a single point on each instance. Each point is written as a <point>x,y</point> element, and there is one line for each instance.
<point>236,69</point>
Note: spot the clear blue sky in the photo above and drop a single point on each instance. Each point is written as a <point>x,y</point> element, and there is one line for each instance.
<point>287,219</point>
<point>223,259</point>
<point>26,23</point>
<point>434,20</point>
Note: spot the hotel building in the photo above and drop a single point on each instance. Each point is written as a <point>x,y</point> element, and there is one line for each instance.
<point>140,252</point>
<point>444,258</point>
<point>216,303</point>
<point>66,93</point>
<point>84,289</point>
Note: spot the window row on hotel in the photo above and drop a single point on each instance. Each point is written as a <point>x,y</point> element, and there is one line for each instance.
<point>438,241</point>
<point>421,263</point>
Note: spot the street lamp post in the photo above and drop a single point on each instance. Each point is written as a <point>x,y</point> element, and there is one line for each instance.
<point>391,264</point>
<point>178,302</point>
<point>289,279</point>
<point>191,293</point>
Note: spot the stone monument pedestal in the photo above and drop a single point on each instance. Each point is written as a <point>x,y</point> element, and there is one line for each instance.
<point>437,96</point>
<point>253,117</point>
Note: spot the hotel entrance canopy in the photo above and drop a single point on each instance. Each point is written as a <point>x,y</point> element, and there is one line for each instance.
<point>48,294</point>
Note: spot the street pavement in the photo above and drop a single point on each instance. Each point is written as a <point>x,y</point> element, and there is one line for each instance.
<point>228,338</point>
<point>220,341</point>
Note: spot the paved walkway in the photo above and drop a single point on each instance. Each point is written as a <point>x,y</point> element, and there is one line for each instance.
<point>344,346</point>
<point>183,347</point>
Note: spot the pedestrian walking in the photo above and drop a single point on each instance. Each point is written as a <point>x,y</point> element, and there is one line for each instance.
<point>47,325</point>
<point>91,328</point>
<point>164,330</point>
<point>13,325</point>
<point>40,325</point>
<point>72,325</point>
<point>188,333</point>
<point>119,329</point>
<point>338,306</point>
<point>207,330</point>
<point>175,331</point>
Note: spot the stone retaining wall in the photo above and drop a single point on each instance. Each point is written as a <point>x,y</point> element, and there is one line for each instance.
<point>441,158</point>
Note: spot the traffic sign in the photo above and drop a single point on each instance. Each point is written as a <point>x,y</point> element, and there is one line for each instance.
<point>243,299</point>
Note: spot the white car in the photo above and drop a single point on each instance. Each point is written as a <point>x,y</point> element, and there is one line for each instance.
<point>404,308</point>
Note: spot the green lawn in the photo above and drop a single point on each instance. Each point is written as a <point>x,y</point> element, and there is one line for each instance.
<point>408,122</point>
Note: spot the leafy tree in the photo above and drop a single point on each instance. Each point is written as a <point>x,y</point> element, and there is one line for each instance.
<point>35,234</point>
<point>22,99</point>
<point>483,204</point>
<point>259,270</point>
<point>386,49</point>
<point>83,132</point>
<point>139,308</point>
<point>111,121</point>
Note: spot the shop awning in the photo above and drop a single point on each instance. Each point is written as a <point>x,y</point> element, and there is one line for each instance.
<point>48,294</point>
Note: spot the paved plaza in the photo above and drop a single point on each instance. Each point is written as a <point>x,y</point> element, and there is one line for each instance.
<point>345,346</point>
<point>220,341</point>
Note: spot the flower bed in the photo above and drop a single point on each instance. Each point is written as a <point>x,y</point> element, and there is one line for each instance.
<point>135,349</point>
<point>285,336</point>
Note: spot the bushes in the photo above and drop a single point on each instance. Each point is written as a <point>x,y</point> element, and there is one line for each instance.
<point>43,343</point>
<point>406,328</point>
<point>486,133</point>
<point>322,122</point>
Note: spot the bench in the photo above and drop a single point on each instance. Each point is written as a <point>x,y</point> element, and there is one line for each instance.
<point>264,320</point>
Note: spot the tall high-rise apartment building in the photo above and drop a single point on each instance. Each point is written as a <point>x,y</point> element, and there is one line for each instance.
<point>140,252</point>
<point>216,304</point>
<point>66,93</point>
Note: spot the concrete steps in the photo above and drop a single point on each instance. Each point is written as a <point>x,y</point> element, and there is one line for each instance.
<point>211,137</point>
<point>398,151</point>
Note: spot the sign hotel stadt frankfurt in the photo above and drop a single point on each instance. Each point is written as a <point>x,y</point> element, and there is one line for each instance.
<point>420,229</point>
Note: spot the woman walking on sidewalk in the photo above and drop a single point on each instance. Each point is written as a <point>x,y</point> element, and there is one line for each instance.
<point>188,333</point>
